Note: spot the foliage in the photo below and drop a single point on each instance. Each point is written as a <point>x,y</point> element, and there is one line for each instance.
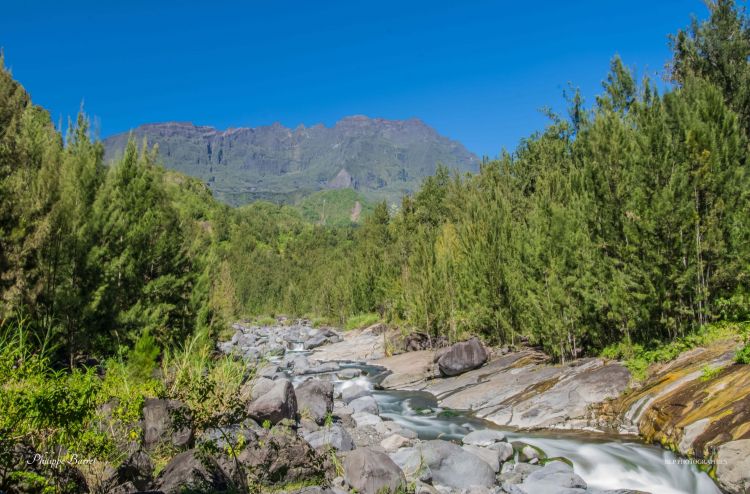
<point>361,321</point>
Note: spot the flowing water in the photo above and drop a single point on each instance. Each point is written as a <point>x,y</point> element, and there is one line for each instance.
<point>603,462</point>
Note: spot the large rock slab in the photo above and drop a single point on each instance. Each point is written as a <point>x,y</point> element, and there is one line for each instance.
<point>277,404</point>
<point>372,472</point>
<point>462,357</point>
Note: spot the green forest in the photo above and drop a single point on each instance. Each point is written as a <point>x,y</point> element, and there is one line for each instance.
<point>625,222</point>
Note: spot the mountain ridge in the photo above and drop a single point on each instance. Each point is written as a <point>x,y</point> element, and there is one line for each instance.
<point>381,158</point>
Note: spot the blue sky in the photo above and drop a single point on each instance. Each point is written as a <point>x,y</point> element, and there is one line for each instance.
<point>477,71</point>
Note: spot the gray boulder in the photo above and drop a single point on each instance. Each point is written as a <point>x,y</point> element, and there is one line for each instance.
<point>462,357</point>
<point>315,397</point>
<point>485,437</point>
<point>733,466</point>
<point>334,436</point>
<point>353,391</point>
<point>555,477</point>
<point>136,472</point>
<point>365,404</point>
<point>190,471</point>
<point>372,472</point>
<point>451,466</point>
<point>158,424</point>
<point>277,404</point>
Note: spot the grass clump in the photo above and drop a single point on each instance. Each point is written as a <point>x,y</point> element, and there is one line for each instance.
<point>361,321</point>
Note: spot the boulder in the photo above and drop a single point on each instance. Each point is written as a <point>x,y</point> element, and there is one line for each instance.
<point>282,457</point>
<point>462,357</point>
<point>348,373</point>
<point>315,397</point>
<point>451,466</point>
<point>334,436</point>
<point>193,472</point>
<point>487,455</point>
<point>372,472</point>
<point>394,442</point>
<point>554,477</point>
<point>353,390</point>
<point>485,437</point>
<point>365,404</point>
<point>277,404</point>
<point>733,466</point>
<point>134,474</point>
<point>158,423</point>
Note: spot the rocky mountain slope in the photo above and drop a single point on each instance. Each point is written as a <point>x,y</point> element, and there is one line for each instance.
<point>383,159</point>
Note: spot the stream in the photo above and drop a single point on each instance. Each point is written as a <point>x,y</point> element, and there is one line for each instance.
<point>604,462</point>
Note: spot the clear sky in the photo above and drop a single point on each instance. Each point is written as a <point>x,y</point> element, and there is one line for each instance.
<point>477,71</point>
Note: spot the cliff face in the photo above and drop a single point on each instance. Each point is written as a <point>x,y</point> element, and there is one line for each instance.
<point>383,159</point>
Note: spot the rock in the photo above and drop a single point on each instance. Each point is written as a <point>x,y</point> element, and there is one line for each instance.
<point>300,365</point>
<point>158,423</point>
<point>365,404</point>
<point>372,472</point>
<point>528,453</point>
<point>487,455</point>
<point>504,451</point>
<point>363,419</point>
<point>462,357</point>
<point>261,386</point>
<point>348,373</point>
<point>134,474</point>
<point>410,462</point>
<point>335,436</point>
<point>353,390</point>
<point>516,473</point>
<point>229,437</point>
<point>282,457</point>
<point>191,471</point>
<point>554,477</point>
<point>394,442</point>
<point>275,405</point>
<point>486,437</point>
<point>315,397</point>
<point>316,341</point>
<point>451,466</point>
<point>733,466</point>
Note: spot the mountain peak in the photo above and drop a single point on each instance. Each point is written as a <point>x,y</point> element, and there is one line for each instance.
<point>383,159</point>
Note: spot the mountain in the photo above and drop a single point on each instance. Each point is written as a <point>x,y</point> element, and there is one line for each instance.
<point>381,159</point>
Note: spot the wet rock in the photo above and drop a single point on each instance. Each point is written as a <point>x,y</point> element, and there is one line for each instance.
<point>733,466</point>
<point>504,451</point>
<point>554,477</point>
<point>485,437</point>
<point>365,404</point>
<point>334,436</point>
<point>353,391</point>
<point>315,397</point>
<point>158,423</point>
<point>372,472</point>
<point>192,471</point>
<point>349,373</point>
<point>278,403</point>
<point>528,453</point>
<point>462,357</point>
<point>451,466</point>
